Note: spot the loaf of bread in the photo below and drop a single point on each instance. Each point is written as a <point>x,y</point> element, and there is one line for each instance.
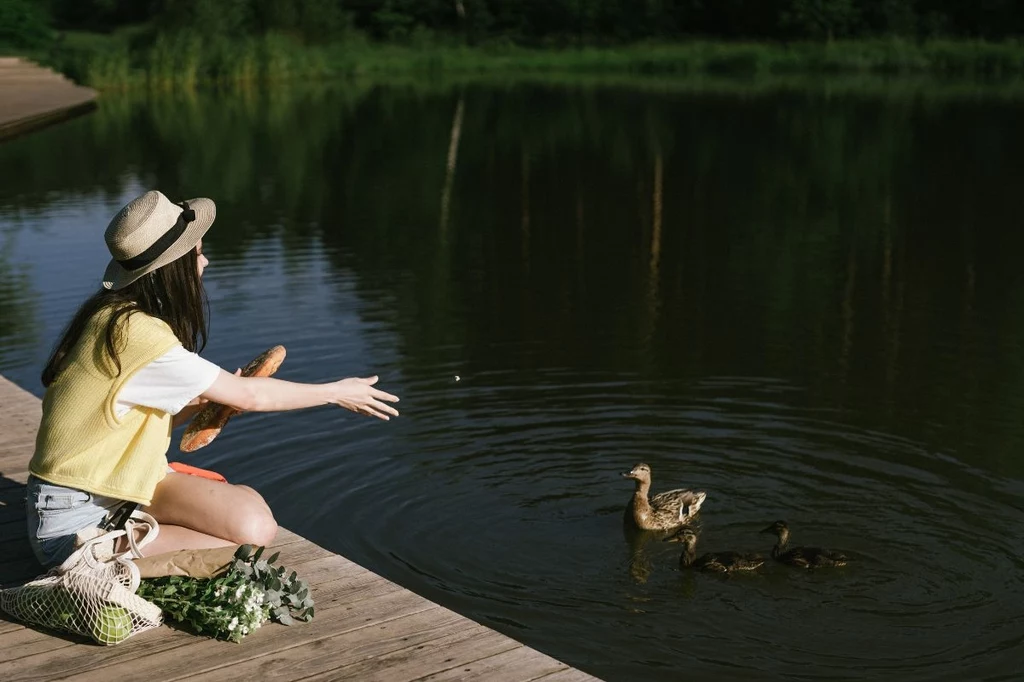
<point>205,426</point>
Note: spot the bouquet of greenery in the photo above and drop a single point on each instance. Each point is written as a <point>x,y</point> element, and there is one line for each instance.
<point>230,606</point>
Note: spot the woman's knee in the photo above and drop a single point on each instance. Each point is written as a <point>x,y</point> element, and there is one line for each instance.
<point>251,491</point>
<point>254,523</point>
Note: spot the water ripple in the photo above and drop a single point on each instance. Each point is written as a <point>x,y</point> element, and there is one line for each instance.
<point>532,468</point>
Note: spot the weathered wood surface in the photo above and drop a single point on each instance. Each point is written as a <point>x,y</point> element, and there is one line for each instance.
<point>32,96</point>
<point>366,627</point>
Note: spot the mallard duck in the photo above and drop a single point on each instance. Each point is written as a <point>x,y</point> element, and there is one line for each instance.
<point>801,557</point>
<point>664,511</point>
<point>718,562</point>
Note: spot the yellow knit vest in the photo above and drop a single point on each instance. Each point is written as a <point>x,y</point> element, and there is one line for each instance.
<point>81,442</point>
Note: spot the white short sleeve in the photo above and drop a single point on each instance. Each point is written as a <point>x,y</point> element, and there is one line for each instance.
<point>168,383</point>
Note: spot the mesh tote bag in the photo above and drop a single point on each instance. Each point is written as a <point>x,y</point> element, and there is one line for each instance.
<point>93,592</point>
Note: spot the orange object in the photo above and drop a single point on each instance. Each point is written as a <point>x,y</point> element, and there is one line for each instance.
<point>205,426</point>
<point>196,471</point>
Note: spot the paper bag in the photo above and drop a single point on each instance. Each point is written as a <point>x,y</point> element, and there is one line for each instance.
<point>194,563</point>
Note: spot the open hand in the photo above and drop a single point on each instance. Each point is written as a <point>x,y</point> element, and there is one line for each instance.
<point>360,396</point>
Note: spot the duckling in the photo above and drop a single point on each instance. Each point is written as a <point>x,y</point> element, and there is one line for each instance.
<point>664,511</point>
<point>719,562</point>
<point>801,557</point>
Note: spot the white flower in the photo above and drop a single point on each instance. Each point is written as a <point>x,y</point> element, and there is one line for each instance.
<point>233,624</point>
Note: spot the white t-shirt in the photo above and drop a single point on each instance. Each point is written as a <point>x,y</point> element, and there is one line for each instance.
<point>168,383</point>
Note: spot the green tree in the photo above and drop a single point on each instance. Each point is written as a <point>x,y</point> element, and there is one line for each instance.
<point>23,24</point>
<point>821,18</point>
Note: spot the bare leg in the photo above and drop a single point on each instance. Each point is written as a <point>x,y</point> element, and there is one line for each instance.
<point>173,538</point>
<point>197,513</point>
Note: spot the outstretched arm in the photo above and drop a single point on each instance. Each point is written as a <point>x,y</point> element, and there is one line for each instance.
<point>265,394</point>
<point>199,402</point>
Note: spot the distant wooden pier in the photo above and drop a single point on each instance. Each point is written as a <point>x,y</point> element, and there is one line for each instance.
<point>32,96</point>
<point>366,627</point>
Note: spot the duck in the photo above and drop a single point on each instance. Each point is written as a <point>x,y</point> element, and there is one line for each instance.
<point>801,557</point>
<point>718,562</point>
<point>663,512</point>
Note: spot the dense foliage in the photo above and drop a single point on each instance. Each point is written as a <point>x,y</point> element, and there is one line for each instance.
<point>525,22</point>
<point>237,603</point>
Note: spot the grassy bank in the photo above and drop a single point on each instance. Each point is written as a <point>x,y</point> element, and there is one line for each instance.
<point>122,60</point>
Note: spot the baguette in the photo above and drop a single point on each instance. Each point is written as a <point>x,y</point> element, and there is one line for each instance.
<point>209,421</point>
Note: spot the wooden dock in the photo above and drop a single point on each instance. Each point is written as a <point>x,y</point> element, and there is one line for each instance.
<point>32,96</point>
<point>366,627</point>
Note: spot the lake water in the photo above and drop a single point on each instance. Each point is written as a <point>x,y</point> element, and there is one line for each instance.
<point>808,302</point>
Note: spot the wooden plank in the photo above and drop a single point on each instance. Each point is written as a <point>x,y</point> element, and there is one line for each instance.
<point>567,675</point>
<point>453,648</point>
<point>18,401</point>
<point>26,642</point>
<point>14,460</point>
<point>367,641</point>
<point>522,663</point>
<point>32,97</point>
<point>15,447</point>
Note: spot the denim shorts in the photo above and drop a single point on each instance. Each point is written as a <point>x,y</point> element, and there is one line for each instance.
<point>55,514</point>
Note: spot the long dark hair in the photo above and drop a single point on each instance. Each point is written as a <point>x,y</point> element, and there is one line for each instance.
<point>174,293</point>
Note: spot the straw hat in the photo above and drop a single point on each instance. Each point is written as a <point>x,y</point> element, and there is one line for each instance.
<point>152,231</point>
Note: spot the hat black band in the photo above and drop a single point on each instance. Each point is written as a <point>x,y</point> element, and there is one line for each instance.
<point>168,238</point>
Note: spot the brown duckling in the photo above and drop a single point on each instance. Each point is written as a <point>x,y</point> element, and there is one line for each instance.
<point>718,562</point>
<point>801,557</point>
<point>664,511</point>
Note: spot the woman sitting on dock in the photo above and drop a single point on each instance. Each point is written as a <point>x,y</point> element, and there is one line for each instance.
<point>126,370</point>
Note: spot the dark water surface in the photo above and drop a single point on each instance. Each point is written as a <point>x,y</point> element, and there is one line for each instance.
<point>809,303</point>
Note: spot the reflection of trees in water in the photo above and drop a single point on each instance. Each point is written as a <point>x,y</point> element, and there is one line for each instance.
<point>804,234</point>
<point>785,235</point>
<point>19,327</point>
<point>259,154</point>
<point>451,162</point>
